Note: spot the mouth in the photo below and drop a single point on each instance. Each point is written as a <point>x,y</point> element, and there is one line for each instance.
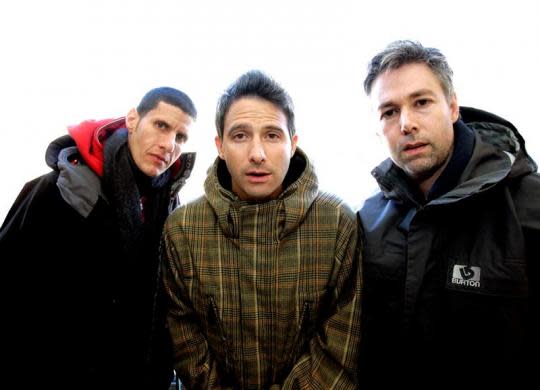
<point>257,176</point>
<point>414,147</point>
<point>159,159</point>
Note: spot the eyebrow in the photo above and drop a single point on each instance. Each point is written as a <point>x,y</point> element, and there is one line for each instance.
<point>274,128</point>
<point>414,95</point>
<point>246,126</point>
<point>238,126</point>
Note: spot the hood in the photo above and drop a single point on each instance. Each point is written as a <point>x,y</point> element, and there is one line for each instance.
<point>52,154</point>
<point>503,135</point>
<point>90,136</point>
<point>499,153</point>
<point>78,157</point>
<point>290,208</point>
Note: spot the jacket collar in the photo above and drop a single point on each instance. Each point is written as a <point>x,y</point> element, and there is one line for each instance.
<point>289,208</point>
<point>498,153</point>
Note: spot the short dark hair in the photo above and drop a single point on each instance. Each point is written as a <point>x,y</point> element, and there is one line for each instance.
<point>399,53</point>
<point>257,84</point>
<point>168,95</point>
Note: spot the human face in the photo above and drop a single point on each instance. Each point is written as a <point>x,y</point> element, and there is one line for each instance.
<point>155,140</point>
<point>256,147</point>
<point>415,119</point>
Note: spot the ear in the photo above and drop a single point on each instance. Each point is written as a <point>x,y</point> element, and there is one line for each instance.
<point>294,141</point>
<point>132,120</point>
<point>219,146</point>
<point>454,108</point>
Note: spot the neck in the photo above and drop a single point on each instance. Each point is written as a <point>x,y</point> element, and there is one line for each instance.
<point>426,184</point>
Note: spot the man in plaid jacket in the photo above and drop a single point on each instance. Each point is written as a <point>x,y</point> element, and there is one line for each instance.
<point>262,274</point>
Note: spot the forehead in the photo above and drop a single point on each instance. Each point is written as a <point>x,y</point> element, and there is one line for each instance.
<point>168,110</point>
<point>404,82</point>
<point>254,110</point>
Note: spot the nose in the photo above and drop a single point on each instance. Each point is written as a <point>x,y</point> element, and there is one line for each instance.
<point>407,122</point>
<point>168,142</point>
<point>256,152</point>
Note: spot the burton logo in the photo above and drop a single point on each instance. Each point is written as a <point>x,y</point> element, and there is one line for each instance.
<point>466,275</point>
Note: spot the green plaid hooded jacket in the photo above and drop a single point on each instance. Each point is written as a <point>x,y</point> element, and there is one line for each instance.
<point>264,295</point>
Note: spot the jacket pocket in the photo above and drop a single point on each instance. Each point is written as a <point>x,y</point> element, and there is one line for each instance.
<point>217,330</point>
<point>303,334</point>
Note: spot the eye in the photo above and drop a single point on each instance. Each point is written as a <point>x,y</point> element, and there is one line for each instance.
<point>161,125</point>
<point>239,136</point>
<point>180,138</point>
<point>273,136</point>
<point>387,114</point>
<point>422,102</point>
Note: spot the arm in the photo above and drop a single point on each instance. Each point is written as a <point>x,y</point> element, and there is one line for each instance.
<point>34,313</point>
<point>193,360</point>
<point>526,194</point>
<point>331,359</point>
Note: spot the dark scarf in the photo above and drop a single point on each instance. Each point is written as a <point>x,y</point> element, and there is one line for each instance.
<point>463,149</point>
<point>126,188</point>
<point>393,180</point>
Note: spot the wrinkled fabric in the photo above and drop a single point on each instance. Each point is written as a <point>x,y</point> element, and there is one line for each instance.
<point>82,310</point>
<point>264,294</point>
<point>449,281</point>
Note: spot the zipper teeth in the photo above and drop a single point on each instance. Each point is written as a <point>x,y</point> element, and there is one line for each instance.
<point>218,321</point>
<point>229,367</point>
<point>303,319</point>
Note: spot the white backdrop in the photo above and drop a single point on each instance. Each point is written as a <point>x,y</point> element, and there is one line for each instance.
<point>63,61</point>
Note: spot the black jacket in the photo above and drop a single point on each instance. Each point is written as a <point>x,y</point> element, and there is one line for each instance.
<point>449,282</point>
<point>83,276</point>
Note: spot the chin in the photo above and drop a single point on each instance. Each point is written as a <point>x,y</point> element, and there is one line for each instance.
<point>257,197</point>
<point>153,172</point>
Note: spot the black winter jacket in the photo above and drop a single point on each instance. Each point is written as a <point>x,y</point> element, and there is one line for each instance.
<point>450,283</point>
<point>82,291</point>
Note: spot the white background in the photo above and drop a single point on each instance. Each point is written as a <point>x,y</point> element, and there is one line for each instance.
<point>65,61</point>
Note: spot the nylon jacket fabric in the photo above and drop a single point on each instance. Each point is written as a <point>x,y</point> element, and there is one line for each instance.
<point>82,312</point>
<point>450,283</point>
<point>264,295</point>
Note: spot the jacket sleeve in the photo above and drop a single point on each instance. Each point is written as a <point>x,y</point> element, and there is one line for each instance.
<point>193,360</point>
<point>331,359</point>
<point>526,194</point>
<point>28,221</point>
<point>27,275</point>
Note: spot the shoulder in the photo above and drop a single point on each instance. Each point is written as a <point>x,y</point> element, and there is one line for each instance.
<point>42,187</point>
<point>373,205</point>
<point>38,203</point>
<point>530,182</point>
<point>190,212</point>
<point>332,205</point>
<point>526,193</point>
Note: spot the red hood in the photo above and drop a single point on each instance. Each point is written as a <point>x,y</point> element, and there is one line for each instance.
<point>90,136</point>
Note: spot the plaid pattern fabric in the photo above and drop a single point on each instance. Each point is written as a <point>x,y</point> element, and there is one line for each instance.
<point>266,294</point>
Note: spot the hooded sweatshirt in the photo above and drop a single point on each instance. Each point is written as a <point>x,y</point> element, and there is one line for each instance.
<point>264,293</point>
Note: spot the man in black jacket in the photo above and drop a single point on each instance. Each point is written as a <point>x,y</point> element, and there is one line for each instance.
<point>453,236</point>
<point>80,248</point>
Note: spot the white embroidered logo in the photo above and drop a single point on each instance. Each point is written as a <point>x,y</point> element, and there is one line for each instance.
<point>466,275</point>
